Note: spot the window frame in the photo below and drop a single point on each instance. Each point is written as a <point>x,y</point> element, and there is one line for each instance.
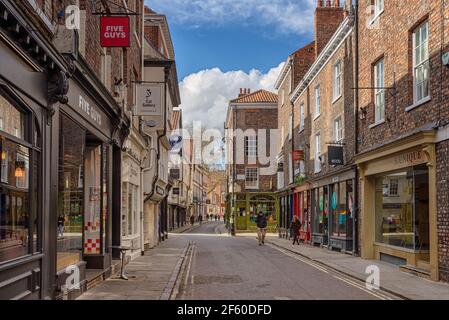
<point>317,106</point>
<point>339,130</point>
<point>337,80</point>
<point>251,146</point>
<point>379,91</point>
<point>318,154</point>
<point>251,176</point>
<point>301,117</point>
<point>424,63</point>
<point>32,142</point>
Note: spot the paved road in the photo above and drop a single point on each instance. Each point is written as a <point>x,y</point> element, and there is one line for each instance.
<point>223,267</point>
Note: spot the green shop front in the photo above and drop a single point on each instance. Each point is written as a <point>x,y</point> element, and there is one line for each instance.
<point>248,205</point>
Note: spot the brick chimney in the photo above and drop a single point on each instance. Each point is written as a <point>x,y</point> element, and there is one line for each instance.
<point>244,92</point>
<point>328,17</point>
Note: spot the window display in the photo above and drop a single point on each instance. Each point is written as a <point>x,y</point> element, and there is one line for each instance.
<point>18,204</point>
<point>402,208</point>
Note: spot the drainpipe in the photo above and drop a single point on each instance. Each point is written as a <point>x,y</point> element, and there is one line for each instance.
<point>355,242</point>
<point>159,137</point>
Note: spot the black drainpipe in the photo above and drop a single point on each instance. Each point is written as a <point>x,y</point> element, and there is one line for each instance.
<point>355,242</point>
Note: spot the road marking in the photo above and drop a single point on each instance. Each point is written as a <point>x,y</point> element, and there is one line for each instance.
<point>359,286</point>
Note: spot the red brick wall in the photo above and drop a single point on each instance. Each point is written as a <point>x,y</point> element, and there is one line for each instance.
<point>391,37</point>
<point>263,119</point>
<point>327,20</point>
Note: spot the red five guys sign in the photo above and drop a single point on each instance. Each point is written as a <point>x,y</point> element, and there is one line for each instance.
<point>114,31</point>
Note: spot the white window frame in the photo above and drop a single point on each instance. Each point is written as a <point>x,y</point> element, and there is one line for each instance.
<point>301,117</point>
<point>290,128</point>
<point>379,7</point>
<point>317,107</point>
<point>338,129</point>
<point>317,152</point>
<point>251,146</point>
<point>1,123</point>
<point>379,91</point>
<point>282,97</point>
<point>423,63</point>
<point>252,178</point>
<point>337,71</point>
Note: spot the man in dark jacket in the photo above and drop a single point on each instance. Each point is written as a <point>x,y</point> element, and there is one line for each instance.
<point>261,222</point>
<point>295,227</point>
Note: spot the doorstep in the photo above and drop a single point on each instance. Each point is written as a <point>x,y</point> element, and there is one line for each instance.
<point>96,276</point>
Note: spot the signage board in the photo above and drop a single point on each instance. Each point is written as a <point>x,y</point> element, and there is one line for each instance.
<point>298,155</point>
<point>114,31</point>
<point>150,99</point>
<point>335,155</point>
<point>175,191</point>
<point>175,174</point>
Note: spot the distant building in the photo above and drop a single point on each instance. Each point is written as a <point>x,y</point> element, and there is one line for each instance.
<point>250,123</point>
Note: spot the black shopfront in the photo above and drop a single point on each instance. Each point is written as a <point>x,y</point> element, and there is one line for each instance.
<point>88,131</point>
<point>333,207</point>
<point>60,133</point>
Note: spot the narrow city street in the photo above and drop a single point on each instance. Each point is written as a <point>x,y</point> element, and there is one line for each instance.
<point>224,267</point>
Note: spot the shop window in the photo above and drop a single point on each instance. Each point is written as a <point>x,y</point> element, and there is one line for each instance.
<point>402,208</point>
<point>70,193</point>
<point>129,211</point>
<point>19,194</point>
<point>320,208</point>
<point>341,205</point>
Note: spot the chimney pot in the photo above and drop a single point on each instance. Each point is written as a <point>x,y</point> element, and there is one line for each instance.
<point>337,3</point>
<point>328,3</point>
<point>319,3</point>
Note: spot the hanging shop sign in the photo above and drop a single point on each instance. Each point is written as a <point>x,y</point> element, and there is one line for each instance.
<point>150,99</point>
<point>335,155</point>
<point>114,31</point>
<point>298,155</point>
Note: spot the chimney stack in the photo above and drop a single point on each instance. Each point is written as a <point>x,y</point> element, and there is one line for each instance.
<point>327,20</point>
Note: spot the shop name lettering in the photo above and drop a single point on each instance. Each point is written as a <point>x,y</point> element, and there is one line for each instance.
<point>89,111</point>
<point>115,32</point>
<point>411,157</point>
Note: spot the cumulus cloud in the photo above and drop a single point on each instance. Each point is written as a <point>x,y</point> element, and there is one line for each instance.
<point>205,95</point>
<point>290,16</point>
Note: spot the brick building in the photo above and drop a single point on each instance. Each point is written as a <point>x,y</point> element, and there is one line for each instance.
<point>403,135</point>
<point>251,142</point>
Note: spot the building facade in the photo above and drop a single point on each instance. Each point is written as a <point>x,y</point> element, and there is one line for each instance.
<point>403,147</point>
<point>251,138</point>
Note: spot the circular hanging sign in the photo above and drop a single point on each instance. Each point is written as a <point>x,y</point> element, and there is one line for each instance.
<point>334,200</point>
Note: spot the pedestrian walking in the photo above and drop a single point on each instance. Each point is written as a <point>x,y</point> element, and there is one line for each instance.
<point>261,222</point>
<point>295,226</point>
<point>61,221</point>
<point>200,218</point>
<point>192,219</point>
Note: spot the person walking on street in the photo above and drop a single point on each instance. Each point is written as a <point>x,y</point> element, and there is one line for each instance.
<point>200,218</point>
<point>261,222</point>
<point>295,226</point>
<point>192,219</point>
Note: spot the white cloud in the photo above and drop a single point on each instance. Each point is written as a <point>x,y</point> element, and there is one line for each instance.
<point>205,95</point>
<point>290,16</point>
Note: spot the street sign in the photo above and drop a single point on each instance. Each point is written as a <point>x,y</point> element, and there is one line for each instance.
<point>114,31</point>
<point>335,155</point>
<point>175,191</point>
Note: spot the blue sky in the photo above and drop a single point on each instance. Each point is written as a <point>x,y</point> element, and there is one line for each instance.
<point>222,45</point>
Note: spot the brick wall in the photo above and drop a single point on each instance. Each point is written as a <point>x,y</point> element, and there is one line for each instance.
<point>390,37</point>
<point>328,16</point>
<point>442,151</point>
<point>261,119</point>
